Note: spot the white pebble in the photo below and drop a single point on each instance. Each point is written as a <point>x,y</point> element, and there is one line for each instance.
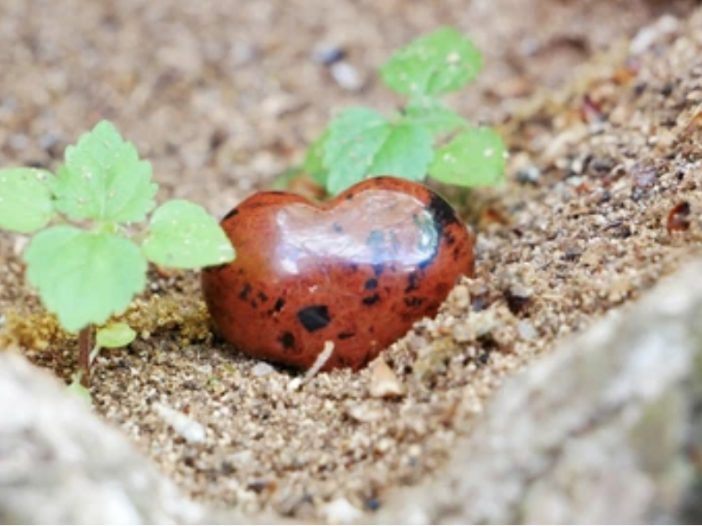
<point>346,76</point>
<point>340,511</point>
<point>193,432</point>
<point>262,369</point>
<point>526,330</point>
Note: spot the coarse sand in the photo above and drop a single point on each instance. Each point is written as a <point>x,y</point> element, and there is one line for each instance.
<point>603,198</point>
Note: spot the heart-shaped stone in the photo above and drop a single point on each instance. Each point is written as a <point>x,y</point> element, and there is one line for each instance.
<point>357,270</point>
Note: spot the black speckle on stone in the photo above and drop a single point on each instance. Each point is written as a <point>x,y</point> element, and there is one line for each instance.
<point>262,297</point>
<point>279,304</point>
<point>314,317</point>
<point>336,227</point>
<point>345,335</point>
<point>378,269</point>
<point>348,197</point>
<point>370,300</point>
<point>287,339</point>
<point>442,212</point>
<point>456,253</point>
<point>230,214</point>
<point>412,282</point>
<point>371,284</point>
<point>450,240</point>
<point>413,301</point>
<point>244,294</point>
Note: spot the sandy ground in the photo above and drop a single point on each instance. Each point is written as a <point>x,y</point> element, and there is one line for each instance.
<point>603,198</point>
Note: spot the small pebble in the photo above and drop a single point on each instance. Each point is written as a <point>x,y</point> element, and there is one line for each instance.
<point>341,511</point>
<point>262,369</point>
<point>529,174</point>
<point>384,383</point>
<point>462,333</point>
<point>364,413</point>
<point>526,330</point>
<point>346,76</point>
<point>327,54</point>
<point>193,432</point>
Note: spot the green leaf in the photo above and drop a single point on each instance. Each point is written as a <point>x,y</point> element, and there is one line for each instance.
<point>25,199</point>
<point>406,153</point>
<point>184,235</point>
<point>78,389</point>
<point>355,136</point>
<point>114,335</point>
<point>84,277</point>
<point>285,179</point>
<point>314,160</point>
<point>104,179</point>
<point>439,62</point>
<point>474,158</point>
<point>434,116</point>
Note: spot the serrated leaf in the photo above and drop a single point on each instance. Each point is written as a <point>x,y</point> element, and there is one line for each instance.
<point>354,138</point>
<point>104,179</point>
<point>434,116</point>
<point>314,160</point>
<point>84,277</point>
<point>25,199</point>
<point>439,62</point>
<point>473,158</point>
<point>184,235</point>
<point>114,335</point>
<point>406,152</point>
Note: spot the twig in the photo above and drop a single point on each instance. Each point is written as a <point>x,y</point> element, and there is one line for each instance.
<point>322,359</point>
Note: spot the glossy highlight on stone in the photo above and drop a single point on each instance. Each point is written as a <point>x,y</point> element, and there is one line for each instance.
<point>357,270</point>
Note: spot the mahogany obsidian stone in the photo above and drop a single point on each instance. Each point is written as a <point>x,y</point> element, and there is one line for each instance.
<point>357,270</point>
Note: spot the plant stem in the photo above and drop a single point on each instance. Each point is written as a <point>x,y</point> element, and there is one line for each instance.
<point>85,344</point>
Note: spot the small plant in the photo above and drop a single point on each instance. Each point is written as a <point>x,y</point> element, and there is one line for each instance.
<point>91,261</point>
<point>360,142</point>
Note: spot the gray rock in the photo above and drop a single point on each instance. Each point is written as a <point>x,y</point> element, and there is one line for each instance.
<point>603,430</point>
<point>60,464</point>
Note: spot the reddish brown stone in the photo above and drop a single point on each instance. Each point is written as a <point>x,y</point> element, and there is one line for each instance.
<point>357,270</point>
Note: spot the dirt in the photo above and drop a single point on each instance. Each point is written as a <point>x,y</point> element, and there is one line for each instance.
<point>602,199</point>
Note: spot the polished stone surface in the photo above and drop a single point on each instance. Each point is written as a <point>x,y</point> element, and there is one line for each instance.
<point>357,270</point>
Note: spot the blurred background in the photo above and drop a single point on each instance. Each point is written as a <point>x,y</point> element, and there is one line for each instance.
<point>223,95</point>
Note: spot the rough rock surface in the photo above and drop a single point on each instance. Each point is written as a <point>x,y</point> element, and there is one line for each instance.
<point>60,464</point>
<point>606,429</point>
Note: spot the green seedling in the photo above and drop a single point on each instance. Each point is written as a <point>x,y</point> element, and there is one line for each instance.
<point>425,137</point>
<point>111,336</point>
<point>91,242</point>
